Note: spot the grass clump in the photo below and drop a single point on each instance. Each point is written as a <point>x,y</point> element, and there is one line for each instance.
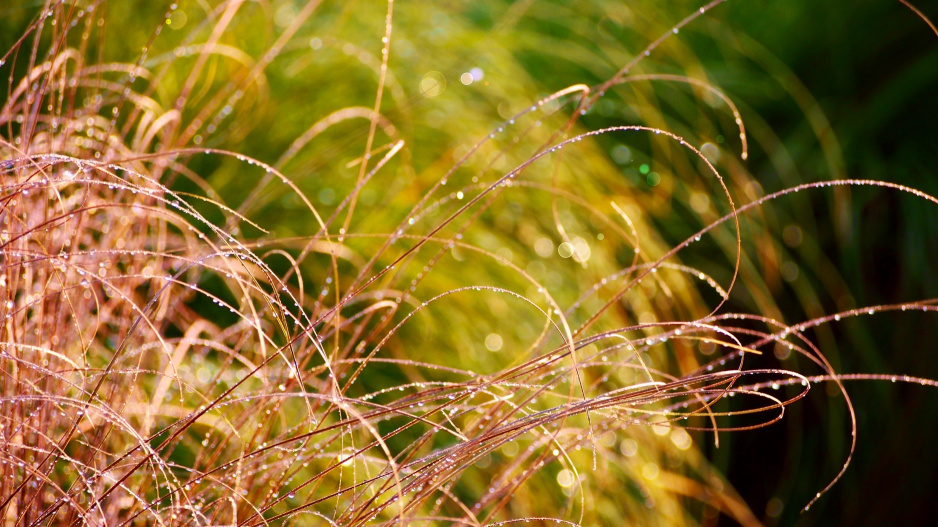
<point>261,273</point>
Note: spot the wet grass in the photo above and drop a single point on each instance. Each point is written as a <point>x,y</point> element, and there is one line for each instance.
<point>275,264</point>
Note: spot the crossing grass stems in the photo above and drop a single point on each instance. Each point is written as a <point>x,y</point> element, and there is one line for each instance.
<point>494,339</point>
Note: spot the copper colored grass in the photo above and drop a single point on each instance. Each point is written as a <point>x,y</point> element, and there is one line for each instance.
<point>170,359</point>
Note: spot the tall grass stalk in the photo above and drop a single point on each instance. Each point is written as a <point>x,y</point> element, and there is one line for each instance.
<point>391,301</point>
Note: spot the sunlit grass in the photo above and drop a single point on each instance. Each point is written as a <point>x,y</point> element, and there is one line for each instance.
<point>299,264</point>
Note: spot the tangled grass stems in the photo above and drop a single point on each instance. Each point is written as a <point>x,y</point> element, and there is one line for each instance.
<point>170,359</point>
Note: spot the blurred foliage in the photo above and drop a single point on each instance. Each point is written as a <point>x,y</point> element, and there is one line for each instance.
<point>827,91</point>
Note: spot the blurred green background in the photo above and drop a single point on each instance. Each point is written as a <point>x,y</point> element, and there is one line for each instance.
<point>828,91</point>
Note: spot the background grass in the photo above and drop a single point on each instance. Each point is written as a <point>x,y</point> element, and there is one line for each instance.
<point>826,92</point>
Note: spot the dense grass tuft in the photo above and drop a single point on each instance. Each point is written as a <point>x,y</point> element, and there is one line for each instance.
<point>256,269</point>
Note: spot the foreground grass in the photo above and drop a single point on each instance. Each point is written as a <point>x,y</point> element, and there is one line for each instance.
<point>398,297</point>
